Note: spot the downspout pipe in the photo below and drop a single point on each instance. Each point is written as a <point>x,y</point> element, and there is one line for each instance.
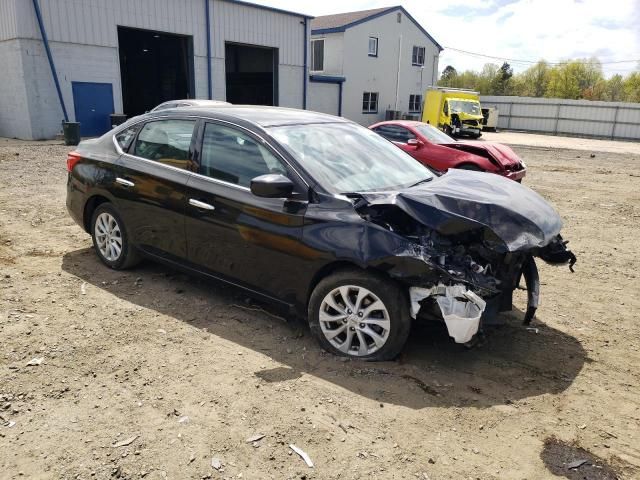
<point>340,99</point>
<point>50,58</point>
<point>398,73</point>
<point>208,27</point>
<point>306,65</point>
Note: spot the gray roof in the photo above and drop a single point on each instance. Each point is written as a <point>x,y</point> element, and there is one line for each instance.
<point>342,19</point>
<point>256,114</point>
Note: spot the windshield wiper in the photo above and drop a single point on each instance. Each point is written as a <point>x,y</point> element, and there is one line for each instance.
<point>424,180</point>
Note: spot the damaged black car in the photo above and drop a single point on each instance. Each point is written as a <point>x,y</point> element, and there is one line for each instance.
<point>317,214</point>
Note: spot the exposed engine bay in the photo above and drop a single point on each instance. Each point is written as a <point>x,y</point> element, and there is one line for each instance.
<point>476,254</point>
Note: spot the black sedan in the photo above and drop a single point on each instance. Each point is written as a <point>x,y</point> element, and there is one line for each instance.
<point>317,214</point>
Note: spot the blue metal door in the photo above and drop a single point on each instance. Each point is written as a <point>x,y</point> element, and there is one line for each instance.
<point>93,103</point>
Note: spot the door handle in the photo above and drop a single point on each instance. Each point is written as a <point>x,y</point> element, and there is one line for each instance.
<point>199,204</point>
<point>125,182</point>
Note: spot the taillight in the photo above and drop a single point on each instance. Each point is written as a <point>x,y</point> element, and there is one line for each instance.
<point>72,159</point>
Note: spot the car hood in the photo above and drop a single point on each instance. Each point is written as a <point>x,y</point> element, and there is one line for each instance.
<point>463,201</point>
<point>500,153</point>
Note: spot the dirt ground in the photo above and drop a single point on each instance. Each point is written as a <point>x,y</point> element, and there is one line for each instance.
<point>512,137</point>
<point>153,374</point>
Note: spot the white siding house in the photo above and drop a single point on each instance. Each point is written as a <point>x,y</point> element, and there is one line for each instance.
<point>378,60</point>
<point>215,45</point>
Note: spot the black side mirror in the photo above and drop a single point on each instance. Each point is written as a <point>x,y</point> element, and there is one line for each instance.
<point>272,185</point>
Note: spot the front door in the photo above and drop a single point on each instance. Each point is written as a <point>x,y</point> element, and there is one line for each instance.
<point>151,183</point>
<point>93,105</point>
<point>234,234</point>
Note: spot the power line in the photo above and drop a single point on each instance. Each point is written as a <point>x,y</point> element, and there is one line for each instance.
<point>530,62</point>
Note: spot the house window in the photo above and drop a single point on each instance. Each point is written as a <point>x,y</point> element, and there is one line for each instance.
<point>418,56</point>
<point>373,47</point>
<point>317,55</point>
<point>370,102</point>
<point>415,103</point>
<point>399,17</point>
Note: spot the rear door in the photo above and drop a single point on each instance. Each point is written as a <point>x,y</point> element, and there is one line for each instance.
<point>233,234</point>
<point>151,183</point>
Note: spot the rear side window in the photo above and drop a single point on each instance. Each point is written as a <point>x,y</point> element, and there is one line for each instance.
<point>234,157</point>
<point>395,133</point>
<point>125,136</point>
<point>166,141</point>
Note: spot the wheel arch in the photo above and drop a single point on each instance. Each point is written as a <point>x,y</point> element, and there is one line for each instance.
<point>340,265</point>
<point>89,207</point>
<point>327,270</point>
<point>465,165</point>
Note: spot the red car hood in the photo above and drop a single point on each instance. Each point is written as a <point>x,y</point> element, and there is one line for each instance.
<point>500,153</point>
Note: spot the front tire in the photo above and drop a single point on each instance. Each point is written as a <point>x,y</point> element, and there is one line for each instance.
<point>360,315</point>
<point>110,239</point>
<point>470,166</point>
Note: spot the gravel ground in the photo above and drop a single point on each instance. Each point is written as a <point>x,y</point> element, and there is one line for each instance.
<point>153,374</point>
<point>557,142</point>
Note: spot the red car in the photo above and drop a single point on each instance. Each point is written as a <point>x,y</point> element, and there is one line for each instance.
<point>439,151</point>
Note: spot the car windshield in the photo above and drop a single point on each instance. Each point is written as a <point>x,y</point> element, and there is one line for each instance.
<point>432,134</point>
<point>465,106</point>
<point>347,158</point>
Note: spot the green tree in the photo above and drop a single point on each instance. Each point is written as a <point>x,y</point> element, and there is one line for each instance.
<point>500,82</point>
<point>614,91</point>
<point>533,82</point>
<point>632,87</point>
<point>485,79</point>
<point>582,78</point>
<point>564,81</point>
<point>448,76</point>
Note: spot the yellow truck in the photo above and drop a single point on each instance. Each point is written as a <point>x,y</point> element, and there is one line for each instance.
<point>455,111</point>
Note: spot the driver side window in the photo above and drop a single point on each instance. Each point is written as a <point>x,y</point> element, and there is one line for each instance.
<point>232,156</point>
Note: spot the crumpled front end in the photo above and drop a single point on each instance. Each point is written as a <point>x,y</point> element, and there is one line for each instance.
<point>477,241</point>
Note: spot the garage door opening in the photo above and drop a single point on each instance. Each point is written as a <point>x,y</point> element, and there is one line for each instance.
<point>154,67</point>
<point>252,77</point>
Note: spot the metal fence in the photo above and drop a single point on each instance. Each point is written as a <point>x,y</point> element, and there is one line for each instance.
<point>614,120</point>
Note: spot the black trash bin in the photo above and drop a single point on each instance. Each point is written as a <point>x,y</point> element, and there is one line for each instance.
<point>71,132</point>
<point>117,119</point>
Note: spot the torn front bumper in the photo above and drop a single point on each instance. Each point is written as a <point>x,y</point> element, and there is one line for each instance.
<point>516,175</point>
<point>466,130</point>
<point>461,308</point>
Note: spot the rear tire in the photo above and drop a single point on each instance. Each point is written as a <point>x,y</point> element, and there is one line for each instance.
<point>360,315</point>
<point>111,240</point>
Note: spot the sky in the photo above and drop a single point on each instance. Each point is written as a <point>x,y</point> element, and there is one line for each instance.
<point>554,30</point>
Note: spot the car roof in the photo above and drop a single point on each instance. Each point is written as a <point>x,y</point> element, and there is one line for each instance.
<point>260,115</point>
<point>204,102</point>
<point>406,123</point>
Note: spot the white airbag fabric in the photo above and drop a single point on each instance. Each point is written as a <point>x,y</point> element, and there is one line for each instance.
<point>461,308</point>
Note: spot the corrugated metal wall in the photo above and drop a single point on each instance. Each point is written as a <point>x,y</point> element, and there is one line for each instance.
<point>615,120</point>
<point>84,41</point>
<point>234,22</point>
<point>8,19</point>
<point>94,22</point>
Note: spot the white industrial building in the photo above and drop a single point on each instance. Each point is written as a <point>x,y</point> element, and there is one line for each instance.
<point>92,58</point>
<point>367,62</point>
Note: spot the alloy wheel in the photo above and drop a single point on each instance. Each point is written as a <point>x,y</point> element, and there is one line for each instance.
<point>354,320</point>
<point>108,237</point>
